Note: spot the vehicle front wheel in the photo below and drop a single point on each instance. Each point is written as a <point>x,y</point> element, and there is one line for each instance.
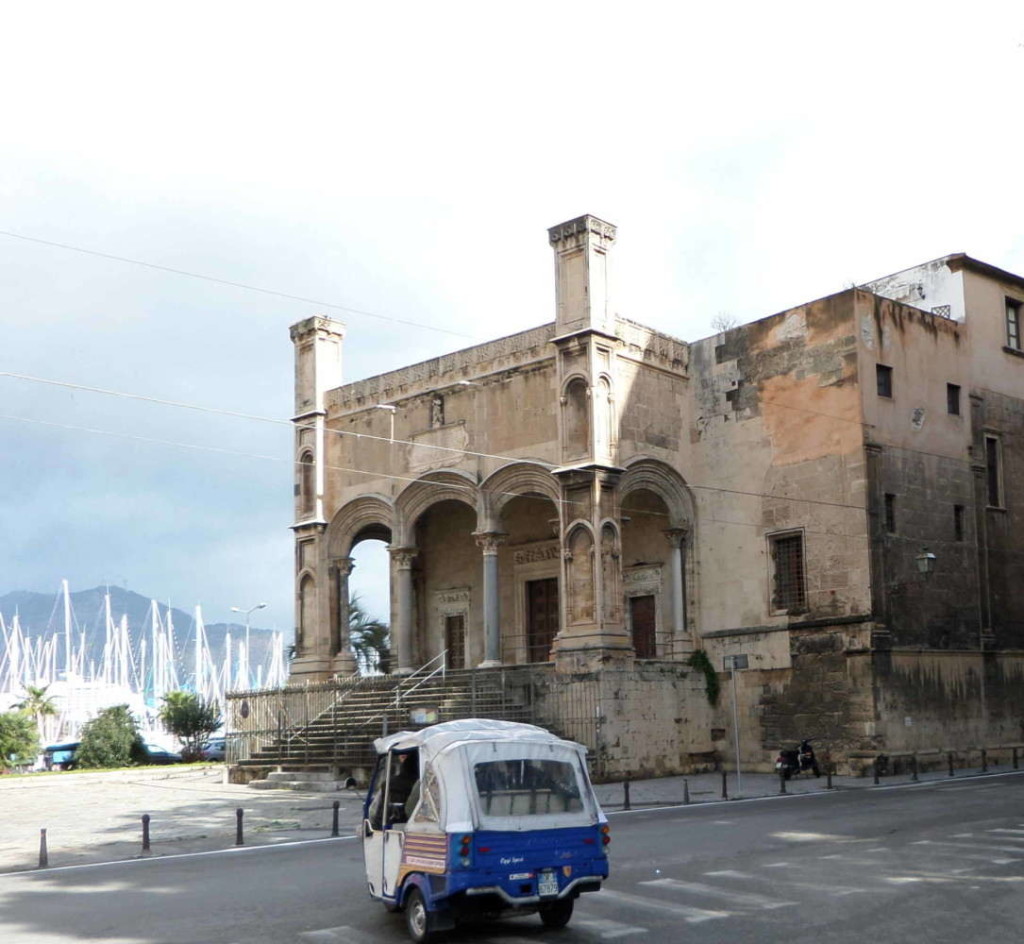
<point>556,914</point>
<point>417,918</point>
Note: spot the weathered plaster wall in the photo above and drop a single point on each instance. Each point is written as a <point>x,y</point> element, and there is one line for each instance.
<point>777,445</point>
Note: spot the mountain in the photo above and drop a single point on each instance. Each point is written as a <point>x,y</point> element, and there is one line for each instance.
<point>42,614</point>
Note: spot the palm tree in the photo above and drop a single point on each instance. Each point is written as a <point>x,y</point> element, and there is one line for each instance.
<point>369,638</point>
<point>38,704</point>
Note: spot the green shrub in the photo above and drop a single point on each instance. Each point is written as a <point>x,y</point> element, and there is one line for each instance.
<point>111,739</point>
<point>19,742</point>
<point>192,719</point>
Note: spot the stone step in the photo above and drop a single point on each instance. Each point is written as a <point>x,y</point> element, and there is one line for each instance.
<point>306,786</point>
<point>305,775</point>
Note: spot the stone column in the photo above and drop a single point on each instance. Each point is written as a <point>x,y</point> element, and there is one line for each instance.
<point>402,558</point>
<point>676,538</point>
<point>489,542</point>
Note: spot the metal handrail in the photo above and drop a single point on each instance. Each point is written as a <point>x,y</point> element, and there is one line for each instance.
<point>396,702</point>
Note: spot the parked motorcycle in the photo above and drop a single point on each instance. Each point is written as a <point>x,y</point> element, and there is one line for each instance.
<point>796,761</point>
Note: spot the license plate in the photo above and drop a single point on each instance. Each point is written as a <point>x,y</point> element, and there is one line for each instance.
<point>547,884</point>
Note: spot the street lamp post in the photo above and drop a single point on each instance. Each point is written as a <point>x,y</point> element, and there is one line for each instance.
<point>248,613</point>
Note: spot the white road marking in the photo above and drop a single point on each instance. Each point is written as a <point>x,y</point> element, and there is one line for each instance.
<point>607,928</point>
<point>837,891</point>
<point>747,899</point>
<point>967,845</point>
<point>688,914</point>
<point>342,934</point>
<point>1011,838</point>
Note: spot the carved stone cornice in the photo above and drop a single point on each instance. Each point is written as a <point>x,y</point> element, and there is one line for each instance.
<point>318,324</point>
<point>574,233</point>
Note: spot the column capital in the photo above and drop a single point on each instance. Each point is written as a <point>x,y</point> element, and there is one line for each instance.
<point>489,541</point>
<point>341,566</point>
<point>676,537</point>
<point>403,556</point>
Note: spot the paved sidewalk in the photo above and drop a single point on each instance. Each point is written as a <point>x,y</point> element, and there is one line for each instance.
<point>97,817</point>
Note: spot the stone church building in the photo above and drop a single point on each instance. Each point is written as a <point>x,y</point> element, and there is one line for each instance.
<point>832,494</point>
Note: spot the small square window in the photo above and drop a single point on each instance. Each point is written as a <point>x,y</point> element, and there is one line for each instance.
<point>953,399</point>
<point>890,513</point>
<point>883,376</point>
<point>958,522</point>
<point>1013,324</point>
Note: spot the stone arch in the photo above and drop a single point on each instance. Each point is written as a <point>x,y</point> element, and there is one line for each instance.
<point>429,489</point>
<point>366,516</point>
<point>511,481</point>
<point>660,478</point>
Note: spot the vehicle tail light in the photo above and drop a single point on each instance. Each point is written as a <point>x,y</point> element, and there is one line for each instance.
<point>606,835</point>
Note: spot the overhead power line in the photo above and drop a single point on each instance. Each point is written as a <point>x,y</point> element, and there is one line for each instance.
<point>243,285</point>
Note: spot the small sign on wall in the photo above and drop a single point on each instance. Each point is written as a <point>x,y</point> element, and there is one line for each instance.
<point>423,715</point>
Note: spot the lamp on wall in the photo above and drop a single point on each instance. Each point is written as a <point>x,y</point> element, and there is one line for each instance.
<point>925,562</point>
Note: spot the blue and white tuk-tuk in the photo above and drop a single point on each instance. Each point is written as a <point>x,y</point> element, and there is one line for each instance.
<point>476,818</point>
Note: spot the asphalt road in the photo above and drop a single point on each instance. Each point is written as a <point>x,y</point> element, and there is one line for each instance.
<point>938,862</point>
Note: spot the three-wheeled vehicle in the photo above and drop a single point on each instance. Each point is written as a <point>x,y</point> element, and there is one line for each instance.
<point>477,818</point>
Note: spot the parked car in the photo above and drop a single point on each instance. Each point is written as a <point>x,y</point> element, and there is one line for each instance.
<point>215,749</point>
<point>155,754</point>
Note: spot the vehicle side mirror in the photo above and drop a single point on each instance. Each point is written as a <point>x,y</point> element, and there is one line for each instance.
<point>367,828</point>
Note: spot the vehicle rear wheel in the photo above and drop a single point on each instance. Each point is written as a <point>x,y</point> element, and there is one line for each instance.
<point>417,918</point>
<point>556,914</point>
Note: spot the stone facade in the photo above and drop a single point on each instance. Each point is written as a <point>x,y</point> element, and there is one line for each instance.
<point>608,499</point>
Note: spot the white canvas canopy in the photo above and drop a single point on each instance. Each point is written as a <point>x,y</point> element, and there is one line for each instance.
<point>460,755</point>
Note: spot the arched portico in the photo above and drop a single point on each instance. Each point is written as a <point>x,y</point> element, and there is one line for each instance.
<point>658,520</point>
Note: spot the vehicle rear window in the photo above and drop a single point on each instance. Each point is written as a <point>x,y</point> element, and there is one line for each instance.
<point>527,787</point>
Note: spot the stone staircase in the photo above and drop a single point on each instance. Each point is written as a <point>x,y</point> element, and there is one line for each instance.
<point>338,744</point>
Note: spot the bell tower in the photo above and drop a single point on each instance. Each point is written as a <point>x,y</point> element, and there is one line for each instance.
<point>592,627</point>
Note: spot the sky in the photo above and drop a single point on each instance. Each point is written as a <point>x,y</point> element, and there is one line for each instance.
<point>401,162</point>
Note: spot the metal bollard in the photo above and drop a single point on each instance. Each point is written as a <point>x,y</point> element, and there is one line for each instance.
<point>239,840</point>
<point>782,782</point>
<point>876,771</point>
<point>725,786</point>
<point>334,821</point>
<point>44,858</point>
<point>949,757</point>
<point>145,832</point>
<point>913,767</point>
<point>686,790</point>
<point>1015,758</point>
<point>984,761</point>
<point>625,795</point>
<point>828,775</point>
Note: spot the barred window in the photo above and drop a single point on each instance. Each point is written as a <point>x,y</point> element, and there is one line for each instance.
<point>993,472</point>
<point>789,588</point>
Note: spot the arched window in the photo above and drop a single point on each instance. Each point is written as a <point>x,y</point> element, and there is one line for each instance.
<point>307,614</point>
<point>576,420</point>
<point>306,486</point>
<point>581,576</point>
